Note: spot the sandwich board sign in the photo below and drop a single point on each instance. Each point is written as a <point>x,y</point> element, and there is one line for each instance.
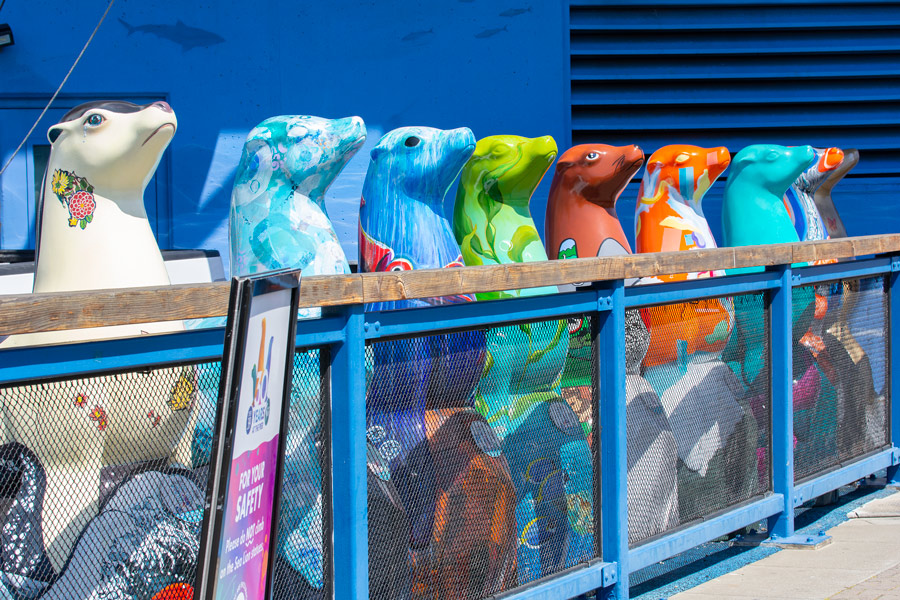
<point>237,543</point>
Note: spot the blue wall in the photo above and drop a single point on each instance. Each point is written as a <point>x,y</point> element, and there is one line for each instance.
<point>444,64</point>
<point>649,72</point>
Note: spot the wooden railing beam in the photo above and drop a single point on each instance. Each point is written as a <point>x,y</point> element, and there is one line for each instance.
<point>31,313</point>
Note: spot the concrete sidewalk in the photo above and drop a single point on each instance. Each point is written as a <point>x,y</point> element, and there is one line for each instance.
<point>862,562</point>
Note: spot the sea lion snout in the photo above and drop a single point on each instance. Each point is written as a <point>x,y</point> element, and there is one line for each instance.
<point>830,159</point>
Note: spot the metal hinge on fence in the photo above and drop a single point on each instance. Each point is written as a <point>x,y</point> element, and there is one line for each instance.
<point>604,303</point>
<point>895,264</point>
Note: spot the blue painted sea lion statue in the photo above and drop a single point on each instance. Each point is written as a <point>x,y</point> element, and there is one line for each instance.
<point>402,227</point>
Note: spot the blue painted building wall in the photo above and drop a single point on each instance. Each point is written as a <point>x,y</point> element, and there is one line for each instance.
<point>444,64</point>
<point>617,71</point>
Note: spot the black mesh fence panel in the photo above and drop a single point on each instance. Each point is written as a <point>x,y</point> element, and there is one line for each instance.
<point>698,410</point>
<point>840,373</point>
<point>301,555</point>
<point>480,463</point>
<point>102,483</point>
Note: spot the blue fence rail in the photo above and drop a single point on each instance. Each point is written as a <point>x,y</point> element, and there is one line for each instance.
<point>350,334</point>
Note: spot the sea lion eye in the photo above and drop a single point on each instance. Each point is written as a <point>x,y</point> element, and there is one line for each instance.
<point>94,120</point>
<point>592,156</point>
<point>412,141</point>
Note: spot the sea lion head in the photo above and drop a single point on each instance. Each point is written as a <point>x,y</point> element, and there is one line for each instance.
<point>771,167</point>
<point>509,167</point>
<point>304,153</point>
<point>598,172</point>
<point>690,170</point>
<point>420,162</point>
<point>115,145</point>
<point>826,160</point>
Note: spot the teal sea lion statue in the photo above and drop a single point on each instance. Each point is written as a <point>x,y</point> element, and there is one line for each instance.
<point>753,211</point>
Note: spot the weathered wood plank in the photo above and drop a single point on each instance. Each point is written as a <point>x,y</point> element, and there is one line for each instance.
<point>330,290</point>
<point>53,312</point>
<point>428,283</point>
<point>71,310</point>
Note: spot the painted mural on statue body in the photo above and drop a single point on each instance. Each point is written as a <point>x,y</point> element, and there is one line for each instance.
<point>834,225</point>
<point>701,397</point>
<point>102,156</point>
<point>419,392</point>
<point>279,220</point>
<point>520,393</point>
<point>581,221</point>
<point>799,199</point>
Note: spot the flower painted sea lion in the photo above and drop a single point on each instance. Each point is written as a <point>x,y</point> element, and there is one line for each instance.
<point>102,156</point>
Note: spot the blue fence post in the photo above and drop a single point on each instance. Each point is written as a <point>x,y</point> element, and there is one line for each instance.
<point>613,445</point>
<point>893,477</point>
<point>350,553</point>
<point>781,377</point>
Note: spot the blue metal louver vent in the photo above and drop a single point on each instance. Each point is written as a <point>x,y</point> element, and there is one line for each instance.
<point>734,73</point>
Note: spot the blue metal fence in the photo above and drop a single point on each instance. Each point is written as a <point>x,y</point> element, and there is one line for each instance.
<point>347,329</point>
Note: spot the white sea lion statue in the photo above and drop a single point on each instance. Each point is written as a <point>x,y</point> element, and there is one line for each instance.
<point>93,233</point>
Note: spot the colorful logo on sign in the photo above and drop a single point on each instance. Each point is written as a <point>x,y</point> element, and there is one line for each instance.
<point>258,413</point>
